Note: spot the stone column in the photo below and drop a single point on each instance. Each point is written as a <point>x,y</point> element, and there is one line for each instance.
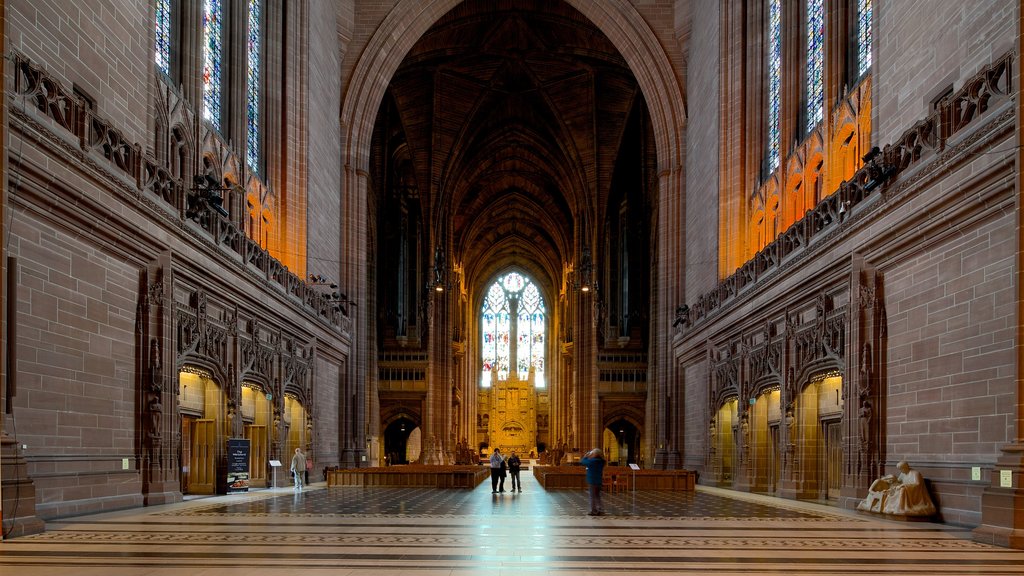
<point>158,388</point>
<point>863,402</point>
<point>1002,502</point>
<point>18,491</point>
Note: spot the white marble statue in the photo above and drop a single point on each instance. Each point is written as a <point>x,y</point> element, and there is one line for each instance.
<point>904,494</point>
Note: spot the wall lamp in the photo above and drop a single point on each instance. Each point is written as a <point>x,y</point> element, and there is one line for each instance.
<point>340,299</point>
<point>682,316</point>
<point>318,280</point>
<point>879,171</point>
<point>206,195</point>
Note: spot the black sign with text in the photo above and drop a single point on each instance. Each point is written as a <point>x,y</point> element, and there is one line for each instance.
<point>238,465</point>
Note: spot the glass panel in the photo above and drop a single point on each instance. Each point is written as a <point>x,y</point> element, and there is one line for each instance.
<point>774,81</point>
<point>253,86</point>
<point>815,61</point>
<point>163,36</point>
<point>213,44</point>
<point>863,36</point>
<point>496,330</point>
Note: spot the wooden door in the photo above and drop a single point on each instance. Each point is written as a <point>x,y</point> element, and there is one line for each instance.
<point>186,451</point>
<point>257,436</point>
<point>203,463</point>
<point>773,458</point>
<point>833,458</point>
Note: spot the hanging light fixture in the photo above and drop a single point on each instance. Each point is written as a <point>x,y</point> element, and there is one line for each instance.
<point>585,273</point>
<point>438,282</point>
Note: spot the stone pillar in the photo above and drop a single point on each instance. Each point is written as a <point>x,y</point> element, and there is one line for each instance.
<point>1002,503</point>
<point>18,506</point>
<point>158,388</point>
<point>863,401</point>
<point>19,493</point>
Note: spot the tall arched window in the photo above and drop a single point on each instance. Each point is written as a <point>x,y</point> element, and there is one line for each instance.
<point>213,53</point>
<point>512,296</point>
<point>254,88</point>
<point>815,62</point>
<point>774,82</point>
<point>863,36</point>
<point>163,36</point>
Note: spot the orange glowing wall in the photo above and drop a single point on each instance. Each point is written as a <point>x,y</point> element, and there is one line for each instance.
<point>831,154</point>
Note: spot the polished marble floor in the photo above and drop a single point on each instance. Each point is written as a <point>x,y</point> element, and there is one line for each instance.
<point>419,531</point>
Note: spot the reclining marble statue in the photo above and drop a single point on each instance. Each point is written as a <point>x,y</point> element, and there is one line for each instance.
<point>904,494</point>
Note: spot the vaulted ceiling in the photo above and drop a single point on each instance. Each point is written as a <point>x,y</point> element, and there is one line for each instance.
<point>509,119</point>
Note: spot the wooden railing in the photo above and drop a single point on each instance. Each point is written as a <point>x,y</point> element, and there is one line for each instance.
<point>616,478</point>
<point>412,475</point>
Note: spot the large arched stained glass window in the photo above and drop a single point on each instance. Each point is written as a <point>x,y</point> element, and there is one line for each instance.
<point>213,53</point>
<point>513,322</point>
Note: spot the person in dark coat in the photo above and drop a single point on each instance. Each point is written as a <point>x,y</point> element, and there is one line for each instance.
<point>497,471</point>
<point>594,461</point>
<point>513,470</point>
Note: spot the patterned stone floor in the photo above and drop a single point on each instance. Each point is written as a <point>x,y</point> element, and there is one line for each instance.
<point>414,532</point>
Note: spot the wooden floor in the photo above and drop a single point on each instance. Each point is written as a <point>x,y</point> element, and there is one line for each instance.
<point>421,531</point>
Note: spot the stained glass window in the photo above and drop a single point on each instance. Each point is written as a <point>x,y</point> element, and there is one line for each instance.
<point>512,296</point>
<point>254,90</point>
<point>213,51</point>
<point>863,36</point>
<point>774,81</point>
<point>815,61</point>
<point>163,36</point>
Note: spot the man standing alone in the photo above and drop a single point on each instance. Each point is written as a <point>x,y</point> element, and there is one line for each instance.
<point>594,461</point>
<point>496,463</point>
<point>298,467</point>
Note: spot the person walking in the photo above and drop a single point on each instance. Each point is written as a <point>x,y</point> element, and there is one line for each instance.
<point>594,461</point>
<point>298,468</point>
<point>496,463</point>
<point>513,470</point>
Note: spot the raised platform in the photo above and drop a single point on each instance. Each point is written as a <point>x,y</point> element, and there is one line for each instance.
<point>616,478</point>
<point>410,475</point>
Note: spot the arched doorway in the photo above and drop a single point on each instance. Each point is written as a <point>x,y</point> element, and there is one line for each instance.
<point>622,442</point>
<point>257,418</point>
<point>397,445</point>
<point>201,405</point>
<point>723,435</point>
<point>555,204</point>
<point>299,428</point>
<point>765,457</point>
<point>819,458</point>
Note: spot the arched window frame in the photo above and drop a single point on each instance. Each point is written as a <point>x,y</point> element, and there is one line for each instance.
<point>498,328</point>
<point>814,22</point>
<point>865,33</point>
<point>212,73</point>
<point>773,65</point>
<point>255,83</point>
<point>163,42</point>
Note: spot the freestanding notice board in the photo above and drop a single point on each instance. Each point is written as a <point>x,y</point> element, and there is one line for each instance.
<point>238,465</point>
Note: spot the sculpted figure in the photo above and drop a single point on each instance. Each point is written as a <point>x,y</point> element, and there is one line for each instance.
<point>904,494</point>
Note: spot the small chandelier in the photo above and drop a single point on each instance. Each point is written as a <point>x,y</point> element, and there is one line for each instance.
<point>585,281</point>
<point>438,281</point>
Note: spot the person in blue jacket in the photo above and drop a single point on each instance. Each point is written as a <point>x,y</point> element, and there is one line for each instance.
<point>594,461</point>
